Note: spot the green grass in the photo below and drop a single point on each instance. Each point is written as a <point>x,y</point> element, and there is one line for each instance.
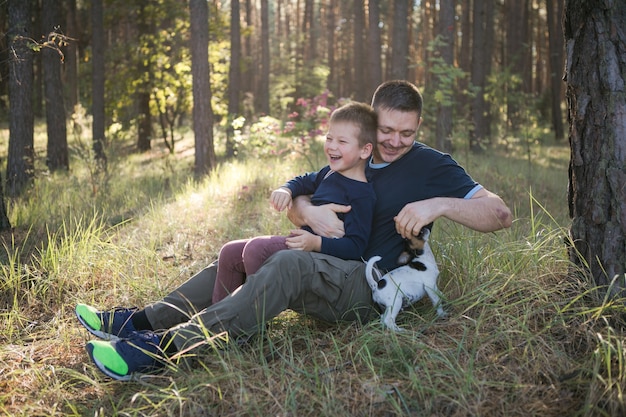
<point>524,336</point>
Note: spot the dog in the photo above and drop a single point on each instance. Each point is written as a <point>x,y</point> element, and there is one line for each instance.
<point>408,283</point>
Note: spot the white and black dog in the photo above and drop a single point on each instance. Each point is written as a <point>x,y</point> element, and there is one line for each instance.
<point>406,284</point>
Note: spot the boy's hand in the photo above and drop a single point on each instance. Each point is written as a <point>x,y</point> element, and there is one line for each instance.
<point>281,199</point>
<point>302,240</point>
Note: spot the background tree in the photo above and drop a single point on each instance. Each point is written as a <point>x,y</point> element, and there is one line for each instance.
<point>202,112</point>
<point>479,130</point>
<point>400,39</point>
<point>596,64</point>
<point>555,50</point>
<point>144,77</point>
<point>234,73</point>
<point>97,81</point>
<point>374,46</point>
<point>264,88</point>
<point>447,32</point>
<point>56,124</point>
<point>20,163</point>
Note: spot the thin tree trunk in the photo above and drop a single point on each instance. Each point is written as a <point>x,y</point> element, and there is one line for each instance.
<point>374,49</point>
<point>57,151</point>
<point>97,81</point>
<point>596,64</point>
<point>20,163</point>
<point>264,99</point>
<point>478,78</point>
<point>359,52</point>
<point>142,96</point>
<point>234,72</point>
<point>555,40</point>
<point>71,57</point>
<point>447,33</point>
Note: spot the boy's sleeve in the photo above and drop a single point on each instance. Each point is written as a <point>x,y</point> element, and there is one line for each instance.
<point>306,184</point>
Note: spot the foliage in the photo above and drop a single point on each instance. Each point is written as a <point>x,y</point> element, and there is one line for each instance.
<point>445,91</point>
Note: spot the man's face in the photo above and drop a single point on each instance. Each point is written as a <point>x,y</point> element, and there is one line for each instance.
<point>396,134</point>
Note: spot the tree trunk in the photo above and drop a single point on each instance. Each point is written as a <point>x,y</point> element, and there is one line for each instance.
<point>555,40</point>
<point>360,64</point>
<point>57,152</point>
<point>331,24</point>
<point>478,131</point>
<point>400,40</point>
<point>596,64</point>
<point>374,49</point>
<point>234,72</point>
<point>202,111</point>
<point>97,81</point>
<point>20,163</point>
<point>264,99</point>
<point>70,76</point>
<point>142,95</point>
<point>447,32</point>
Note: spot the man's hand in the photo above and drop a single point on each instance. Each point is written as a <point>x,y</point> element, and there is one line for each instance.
<point>322,220</point>
<point>484,212</point>
<point>302,240</point>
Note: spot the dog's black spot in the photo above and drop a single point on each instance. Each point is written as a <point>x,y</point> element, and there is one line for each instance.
<point>382,283</point>
<point>418,265</point>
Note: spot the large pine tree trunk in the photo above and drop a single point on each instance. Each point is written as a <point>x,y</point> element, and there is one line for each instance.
<point>21,156</point>
<point>360,64</point>
<point>479,129</point>
<point>595,73</point>
<point>202,111</point>
<point>57,151</point>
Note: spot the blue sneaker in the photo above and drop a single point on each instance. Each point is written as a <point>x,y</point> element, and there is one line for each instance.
<point>107,325</point>
<point>124,359</point>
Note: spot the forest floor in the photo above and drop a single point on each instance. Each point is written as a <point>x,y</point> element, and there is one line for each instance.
<point>524,335</point>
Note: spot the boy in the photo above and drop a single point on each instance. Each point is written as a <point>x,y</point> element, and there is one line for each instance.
<point>349,143</point>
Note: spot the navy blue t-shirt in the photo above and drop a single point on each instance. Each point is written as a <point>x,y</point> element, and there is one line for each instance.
<point>332,187</point>
<point>420,174</point>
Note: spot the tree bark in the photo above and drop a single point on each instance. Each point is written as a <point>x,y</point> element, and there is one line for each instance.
<point>555,40</point>
<point>57,150</point>
<point>360,63</point>
<point>478,131</point>
<point>234,73</point>
<point>264,89</point>
<point>20,163</point>
<point>447,32</point>
<point>202,111</point>
<point>400,40</point>
<point>374,49</point>
<point>596,63</point>
<point>97,81</point>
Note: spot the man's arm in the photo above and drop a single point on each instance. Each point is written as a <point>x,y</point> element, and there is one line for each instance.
<point>322,220</point>
<point>484,212</point>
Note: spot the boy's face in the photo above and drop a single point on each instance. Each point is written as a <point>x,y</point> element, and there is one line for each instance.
<point>396,134</point>
<point>342,146</point>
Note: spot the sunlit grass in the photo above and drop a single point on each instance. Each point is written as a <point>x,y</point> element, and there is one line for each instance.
<point>523,336</point>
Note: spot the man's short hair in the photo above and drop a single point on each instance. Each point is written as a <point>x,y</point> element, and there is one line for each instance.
<point>398,95</point>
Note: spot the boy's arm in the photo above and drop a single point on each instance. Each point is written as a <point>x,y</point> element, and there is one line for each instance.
<point>322,219</point>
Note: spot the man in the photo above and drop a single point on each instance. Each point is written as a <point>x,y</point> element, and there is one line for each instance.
<point>414,184</point>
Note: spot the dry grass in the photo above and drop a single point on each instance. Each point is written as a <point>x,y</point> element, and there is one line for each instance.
<point>522,337</point>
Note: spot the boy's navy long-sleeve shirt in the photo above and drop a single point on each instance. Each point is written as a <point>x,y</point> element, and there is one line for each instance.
<point>327,187</point>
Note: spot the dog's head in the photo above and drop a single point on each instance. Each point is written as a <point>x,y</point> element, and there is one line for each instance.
<point>414,246</point>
